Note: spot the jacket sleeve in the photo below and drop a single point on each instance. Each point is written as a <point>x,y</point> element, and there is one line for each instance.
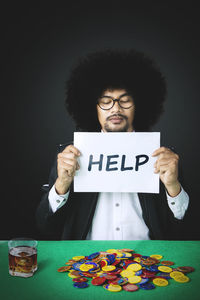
<point>49,223</point>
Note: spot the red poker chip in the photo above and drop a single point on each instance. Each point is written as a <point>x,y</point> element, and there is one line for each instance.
<point>114,272</point>
<point>128,261</point>
<point>147,276</point>
<point>148,272</point>
<point>80,279</point>
<point>113,281</point>
<point>130,287</point>
<point>110,277</point>
<point>98,280</point>
<point>126,250</point>
<point>88,275</point>
<point>116,262</point>
<point>103,264</point>
<point>136,255</point>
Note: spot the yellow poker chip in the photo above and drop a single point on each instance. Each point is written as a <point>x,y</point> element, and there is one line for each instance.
<point>176,274</point>
<point>99,273</point>
<point>72,276</point>
<point>85,267</point>
<point>114,288</point>
<point>165,269</point>
<point>128,254</point>
<point>77,258</point>
<point>134,267</point>
<point>119,254</point>
<point>112,251</point>
<point>182,279</point>
<point>134,279</point>
<point>157,256</point>
<point>160,281</point>
<point>137,259</point>
<point>127,273</point>
<point>108,268</point>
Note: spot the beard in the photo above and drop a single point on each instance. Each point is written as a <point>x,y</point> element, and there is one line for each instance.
<point>111,128</point>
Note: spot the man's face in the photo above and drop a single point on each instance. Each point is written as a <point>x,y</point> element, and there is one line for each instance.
<point>116,119</point>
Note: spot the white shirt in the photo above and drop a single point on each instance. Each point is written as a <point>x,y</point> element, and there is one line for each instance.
<point>118,216</point>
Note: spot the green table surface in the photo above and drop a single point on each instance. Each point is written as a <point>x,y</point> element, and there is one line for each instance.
<point>47,283</point>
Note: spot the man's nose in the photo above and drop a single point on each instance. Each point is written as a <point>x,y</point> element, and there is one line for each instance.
<point>116,107</point>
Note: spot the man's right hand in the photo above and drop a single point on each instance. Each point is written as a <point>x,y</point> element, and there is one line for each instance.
<point>66,166</point>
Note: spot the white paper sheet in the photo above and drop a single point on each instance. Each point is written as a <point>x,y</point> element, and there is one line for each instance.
<point>116,162</point>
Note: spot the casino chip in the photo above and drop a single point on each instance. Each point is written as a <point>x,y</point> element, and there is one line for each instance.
<point>64,269</point>
<point>80,285</point>
<point>98,280</point>
<point>160,281</point>
<point>130,287</point>
<point>182,279</point>
<point>165,269</point>
<point>123,270</point>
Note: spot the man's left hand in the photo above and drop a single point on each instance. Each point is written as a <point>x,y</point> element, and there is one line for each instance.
<point>167,167</point>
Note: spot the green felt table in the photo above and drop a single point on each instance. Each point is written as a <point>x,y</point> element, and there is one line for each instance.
<point>49,284</point>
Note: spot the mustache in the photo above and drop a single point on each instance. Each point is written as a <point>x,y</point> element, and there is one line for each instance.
<point>117,115</point>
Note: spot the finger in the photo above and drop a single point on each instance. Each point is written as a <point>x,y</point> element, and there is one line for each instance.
<point>161,169</point>
<point>71,162</point>
<point>165,161</point>
<point>68,168</point>
<point>67,155</point>
<point>160,150</point>
<point>72,149</point>
<point>166,155</point>
<point>172,167</point>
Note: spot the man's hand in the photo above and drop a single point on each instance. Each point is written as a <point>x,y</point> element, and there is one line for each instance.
<point>167,167</point>
<point>66,166</point>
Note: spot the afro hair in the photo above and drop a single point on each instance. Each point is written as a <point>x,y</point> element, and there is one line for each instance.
<point>115,69</point>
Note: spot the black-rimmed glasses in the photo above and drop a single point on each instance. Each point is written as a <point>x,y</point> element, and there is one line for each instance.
<point>107,102</point>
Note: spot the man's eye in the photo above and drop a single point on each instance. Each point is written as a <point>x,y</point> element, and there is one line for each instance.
<point>125,100</point>
<point>105,101</point>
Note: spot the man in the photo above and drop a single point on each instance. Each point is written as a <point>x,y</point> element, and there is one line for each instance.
<point>113,91</point>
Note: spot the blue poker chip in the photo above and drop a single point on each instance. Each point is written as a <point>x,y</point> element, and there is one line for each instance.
<point>145,257</point>
<point>138,273</point>
<point>91,263</point>
<point>76,266</point>
<point>152,268</point>
<point>164,275</point>
<point>93,255</point>
<point>147,286</point>
<point>143,281</point>
<point>80,285</point>
<point>111,258</point>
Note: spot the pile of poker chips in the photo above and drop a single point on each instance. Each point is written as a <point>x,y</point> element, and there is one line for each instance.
<point>123,269</point>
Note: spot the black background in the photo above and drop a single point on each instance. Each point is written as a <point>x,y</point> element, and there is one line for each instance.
<point>39,45</point>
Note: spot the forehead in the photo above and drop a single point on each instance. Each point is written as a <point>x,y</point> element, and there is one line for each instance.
<point>114,93</point>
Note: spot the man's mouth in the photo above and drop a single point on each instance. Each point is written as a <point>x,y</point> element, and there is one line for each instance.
<point>116,119</point>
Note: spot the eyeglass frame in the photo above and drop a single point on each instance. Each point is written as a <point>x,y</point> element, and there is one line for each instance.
<point>115,100</point>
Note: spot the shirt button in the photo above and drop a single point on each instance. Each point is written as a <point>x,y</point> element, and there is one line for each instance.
<point>58,201</point>
<point>117,204</point>
<point>172,203</point>
<point>117,228</point>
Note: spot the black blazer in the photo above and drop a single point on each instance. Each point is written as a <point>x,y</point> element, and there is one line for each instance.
<point>73,220</point>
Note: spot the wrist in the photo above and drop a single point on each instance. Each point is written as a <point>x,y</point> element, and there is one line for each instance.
<point>173,189</point>
<point>61,187</point>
